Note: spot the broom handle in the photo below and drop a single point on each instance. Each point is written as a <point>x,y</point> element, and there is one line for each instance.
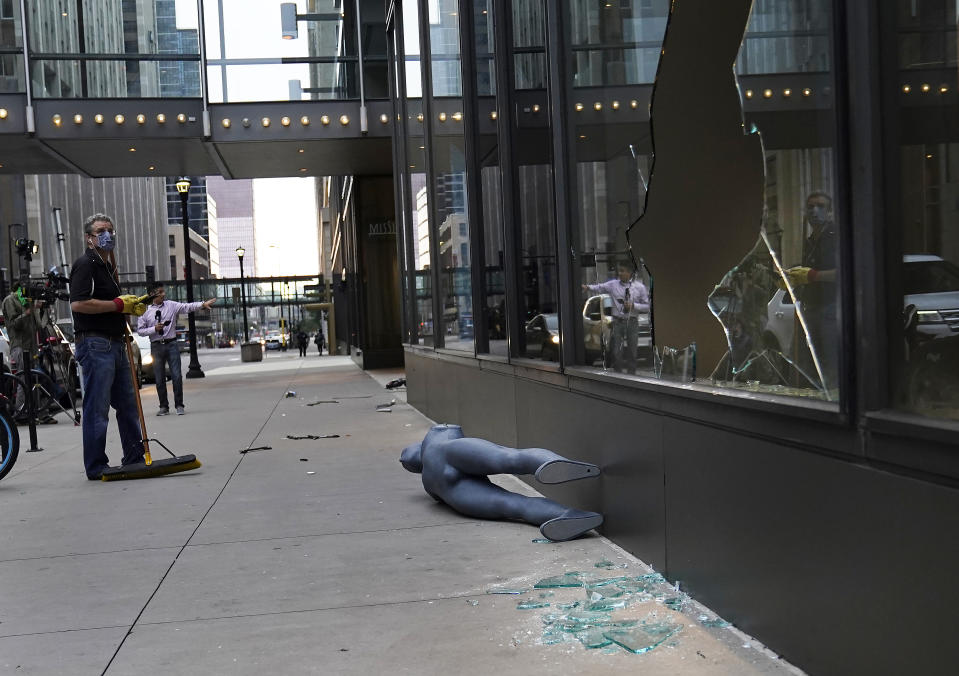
<point>133,376</point>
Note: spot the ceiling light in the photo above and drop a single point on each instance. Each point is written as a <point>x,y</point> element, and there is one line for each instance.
<point>925,88</point>
<point>98,118</point>
<point>807,91</point>
<point>161,118</point>
<point>133,150</point>
<point>419,117</point>
<point>285,121</point>
<point>324,120</point>
<point>615,105</point>
<point>301,150</point>
<point>57,120</point>
<point>344,120</point>
<point>787,92</point>
<point>634,104</point>
<point>767,93</point>
<point>78,119</point>
<point>151,168</point>
<point>906,89</point>
<point>536,108</point>
<point>459,116</point>
<point>943,89</point>
<point>305,121</point>
<point>302,169</point>
<point>141,118</point>
<point>597,106</point>
<point>119,119</point>
<point>181,118</point>
<point>749,93</point>
<point>384,118</point>
<point>3,113</point>
<point>265,122</point>
<point>578,106</point>
<point>493,115</point>
<point>226,122</point>
<point>442,117</point>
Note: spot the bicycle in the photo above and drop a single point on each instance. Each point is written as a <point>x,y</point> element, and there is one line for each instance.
<point>9,444</point>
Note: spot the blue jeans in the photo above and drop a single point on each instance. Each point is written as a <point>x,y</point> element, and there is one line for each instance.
<point>107,382</point>
<point>163,355</point>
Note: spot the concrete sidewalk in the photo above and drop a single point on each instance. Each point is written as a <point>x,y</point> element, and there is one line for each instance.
<point>316,556</point>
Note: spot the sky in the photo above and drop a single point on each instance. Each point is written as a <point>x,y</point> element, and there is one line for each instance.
<point>285,210</point>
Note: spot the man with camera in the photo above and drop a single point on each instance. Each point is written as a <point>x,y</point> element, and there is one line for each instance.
<point>101,331</point>
<point>159,324</point>
<point>24,317</point>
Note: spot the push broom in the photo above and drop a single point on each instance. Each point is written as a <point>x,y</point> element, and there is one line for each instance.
<point>148,468</point>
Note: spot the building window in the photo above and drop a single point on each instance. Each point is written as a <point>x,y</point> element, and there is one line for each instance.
<point>172,241</point>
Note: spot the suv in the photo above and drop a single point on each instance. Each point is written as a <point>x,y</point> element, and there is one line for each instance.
<point>597,321</point>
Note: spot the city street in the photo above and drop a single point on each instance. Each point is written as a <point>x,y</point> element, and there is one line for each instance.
<point>312,556</point>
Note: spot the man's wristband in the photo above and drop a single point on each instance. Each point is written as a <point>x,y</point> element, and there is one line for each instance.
<point>118,302</point>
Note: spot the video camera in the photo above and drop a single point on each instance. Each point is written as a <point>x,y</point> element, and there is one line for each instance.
<point>52,289</point>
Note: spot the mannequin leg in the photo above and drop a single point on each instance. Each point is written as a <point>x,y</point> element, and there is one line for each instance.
<point>480,457</point>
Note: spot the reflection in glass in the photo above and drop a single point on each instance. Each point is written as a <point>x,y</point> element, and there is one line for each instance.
<point>11,58</point>
<point>779,306</point>
<point>141,30</point>
<point>927,377</point>
<point>612,46</point>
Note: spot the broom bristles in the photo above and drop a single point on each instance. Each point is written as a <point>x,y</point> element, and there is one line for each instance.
<point>159,468</point>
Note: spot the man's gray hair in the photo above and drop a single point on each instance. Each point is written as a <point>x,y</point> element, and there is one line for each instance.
<point>88,224</point>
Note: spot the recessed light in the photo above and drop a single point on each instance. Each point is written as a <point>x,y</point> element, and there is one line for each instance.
<point>265,122</point>
<point>301,150</point>
<point>419,117</point>
<point>749,93</point>
<point>181,118</point>
<point>141,118</point>
<point>3,113</point>
<point>634,104</point>
<point>119,119</point>
<point>133,150</point>
<point>78,119</point>
<point>384,118</point>
<point>906,89</point>
<point>151,168</point>
<point>459,116</point>
<point>442,117</point>
<point>98,118</point>
<point>787,92</point>
<point>305,121</point>
<point>302,169</point>
<point>493,115</point>
<point>597,106</point>
<point>807,91</point>
<point>767,93</point>
<point>324,120</point>
<point>344,120</point>
<point>161,118</point>
<point>925,88</point>
<point>57,120</point>
<point>578,106</point>
<point>614,105</point>
<point>225,122</point>
<point>285,121</point>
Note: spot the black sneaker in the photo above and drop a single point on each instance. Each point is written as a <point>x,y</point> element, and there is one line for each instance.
<point>164,410</point>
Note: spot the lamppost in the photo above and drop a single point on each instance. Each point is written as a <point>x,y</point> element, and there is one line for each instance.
<point>246,331</point>
<point>183,187</point>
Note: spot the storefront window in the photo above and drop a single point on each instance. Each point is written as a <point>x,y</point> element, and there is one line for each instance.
<point>612,47</point>
<point>928,211</point>
<point>449,177</point>
<point>533,192</point>
<point>779,306</point>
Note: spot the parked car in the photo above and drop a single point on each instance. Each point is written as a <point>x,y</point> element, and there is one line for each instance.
<point>597,323</point>
<point>146,358</point>
<point>542,336</point>
<point>273,342</point>
<point>930,284</point>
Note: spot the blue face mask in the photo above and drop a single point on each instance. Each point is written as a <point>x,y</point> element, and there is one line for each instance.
<point>106,241</point>
<point>816,215</point>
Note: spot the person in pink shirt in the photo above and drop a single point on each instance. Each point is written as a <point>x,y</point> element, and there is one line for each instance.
<point>159,324</point>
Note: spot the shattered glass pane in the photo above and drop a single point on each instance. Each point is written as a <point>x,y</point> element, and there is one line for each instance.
<point>675,602</point>
<point>607,604</point>
<point>779,306</point>
<point>530,604</point>
<point>715,623</point>
<point>604,564</point>
<point>572,579</point>
<point>644,637</point>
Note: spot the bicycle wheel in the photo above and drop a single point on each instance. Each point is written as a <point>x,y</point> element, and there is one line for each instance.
<point>14,389</point>
<point>9,444</point>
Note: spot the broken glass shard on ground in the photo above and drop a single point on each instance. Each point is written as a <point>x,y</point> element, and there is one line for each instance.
<point>507,590</point>
<point>572,579</point>
<point>530,604</point>
<point>676,602</point>
<point>604,564</point>
<point>541,541</point>
<point>323,401</point>
<point>598,582</point>
<point>643,638</point>
<point>607,604</point>
<point>717,622</point>
<point>594,638</point>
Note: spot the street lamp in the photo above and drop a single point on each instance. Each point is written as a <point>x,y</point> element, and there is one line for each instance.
<point>246,331</point>
<point>183,187</point>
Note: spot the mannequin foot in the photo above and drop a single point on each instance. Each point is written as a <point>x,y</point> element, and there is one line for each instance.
<point>561,471</point>
<point>571,524</point>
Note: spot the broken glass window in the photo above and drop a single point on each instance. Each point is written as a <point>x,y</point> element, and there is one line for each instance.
<point>644,637</point>
<point>572,579</point>
<point>594,638</point>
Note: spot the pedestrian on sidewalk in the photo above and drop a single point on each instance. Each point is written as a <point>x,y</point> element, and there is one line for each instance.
<point>302,341</point>
<point>318,341</point>
<point>159,324</point>
<point>98,308</point>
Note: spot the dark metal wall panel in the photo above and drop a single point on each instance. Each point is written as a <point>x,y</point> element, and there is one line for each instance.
<point>627,444</point>
<point>829,563</point>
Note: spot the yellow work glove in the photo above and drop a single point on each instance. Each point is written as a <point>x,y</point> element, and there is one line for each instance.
<point>798,276</point>
<point>129,304</point>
